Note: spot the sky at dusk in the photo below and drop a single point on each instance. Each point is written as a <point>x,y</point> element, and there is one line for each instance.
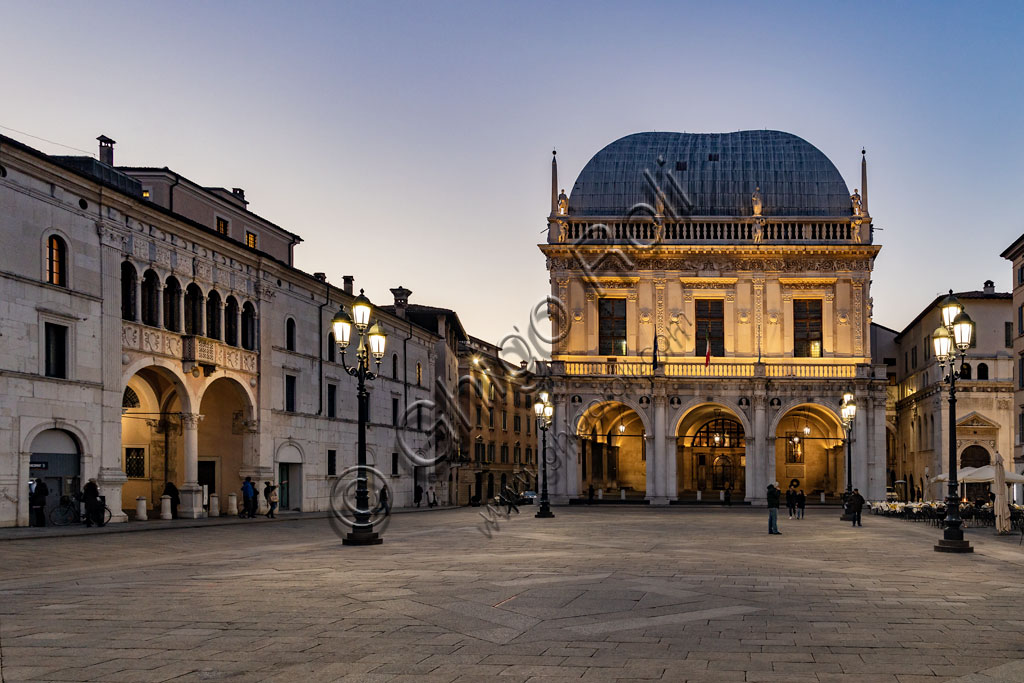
<point>410,142</point>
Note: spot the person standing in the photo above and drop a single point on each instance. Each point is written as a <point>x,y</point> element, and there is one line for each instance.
<point>431,497</point>
<point>382,502</point>
<point>590,494</point>
<point>856,506</point>
<point>172,491</point>
<point>774,496</point>
<point>271,494</point>
<point>37,501</point>
<point>801,504</point>
<point>417,496</point>
<point>728,496</point>
<point>791,501</point>
<point>93,504</point>
<point>248,498</point>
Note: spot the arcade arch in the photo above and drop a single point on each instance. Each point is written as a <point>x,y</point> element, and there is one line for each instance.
<point>809,449</point>
<point>612,446</point>
<point>711,451</point>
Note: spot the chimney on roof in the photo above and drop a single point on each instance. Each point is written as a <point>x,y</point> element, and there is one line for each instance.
<point>238,192</point>
<point>990,287</point>
<point>401,295</point>
<point>347,280</point>
<point>321,277</point>
<point>106,150</point>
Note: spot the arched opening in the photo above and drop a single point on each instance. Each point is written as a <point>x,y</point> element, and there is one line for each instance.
<point>394,365</point>
<point>56,261</point>
<point>975,456</point>
<point>213,314</point>
<point>289,477</point>
<point>965,371</point>
<point>289,334</point>
<point>982,371</point>
<point>151,299</point>
<point>223,439</point>
<point>612,448</point>
<point>128,282</point>
<point>809,450</point>
<point>172,304</point>
<point>193,310</point>
<point>711,455</point>
<point>248,326</point>
<point>152,436</point>
<point>231,321</point>
<point>55,459</point>
<point>331,357</point>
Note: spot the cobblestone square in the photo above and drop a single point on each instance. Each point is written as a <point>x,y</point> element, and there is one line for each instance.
<point>595,594</point>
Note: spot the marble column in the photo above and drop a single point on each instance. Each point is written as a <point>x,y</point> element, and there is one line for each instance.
<point>666,486</point>
<point>191,493</point>
<point>653,484</point>
<point>756,455</point>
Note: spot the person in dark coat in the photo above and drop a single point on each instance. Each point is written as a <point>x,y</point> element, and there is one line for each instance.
<point>791,501</point>
<point>93,504</point>
<point>855,505</point>
<point>417,496</point>
<point>774,496</point>
<point>728,496</point>
<point>37,501</point>
<point>383,503</point>
<point>801,503</point>
<point>590,495</point>
<point>249,498</point>
<point>171,490</point>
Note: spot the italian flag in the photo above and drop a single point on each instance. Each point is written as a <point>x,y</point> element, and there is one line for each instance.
<point>707,352</point>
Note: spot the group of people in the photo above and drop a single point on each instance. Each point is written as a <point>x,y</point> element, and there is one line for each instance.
<point>417,496</point>
<point>251,499</point>
<point>796,502</point>
<point>38,492</point>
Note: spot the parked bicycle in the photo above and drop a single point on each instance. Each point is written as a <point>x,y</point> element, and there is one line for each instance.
<point>69,511</point>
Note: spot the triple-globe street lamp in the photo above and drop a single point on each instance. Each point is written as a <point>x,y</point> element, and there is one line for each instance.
<point>371,343</point>
<point>848,413</point>
<point>544,411</point>
<point>952,336</point>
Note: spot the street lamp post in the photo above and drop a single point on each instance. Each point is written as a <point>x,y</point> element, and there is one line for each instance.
<point>952,336</point>
<point>371,343</point>
<point>544,410</point>
<point>848,412</point>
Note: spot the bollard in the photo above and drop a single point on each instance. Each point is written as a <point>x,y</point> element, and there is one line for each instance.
<point>165,507</point>
<point>622,494</point>
<point>822,496</point>
<point>140,509</point>
<point>214,505</point>
<point>698,496</point>
<point>232,504</point>
<point>600,494</point>
<point>721,496</point>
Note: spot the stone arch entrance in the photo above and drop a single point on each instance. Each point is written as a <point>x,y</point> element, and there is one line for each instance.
<point>612,446</point>
<point>975,456</point>
<point>809,449</point>
<point>711,453</point>
<point>225,440</point>
<point>56,460</point>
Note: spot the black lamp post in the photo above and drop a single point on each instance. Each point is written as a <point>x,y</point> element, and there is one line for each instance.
<point>371,342</point>
<point>848,413</point>
<point>544,410</point>
<point>953,335</point>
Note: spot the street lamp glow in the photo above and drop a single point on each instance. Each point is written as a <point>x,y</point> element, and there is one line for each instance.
<point>963,331</point>
<point>544,396</point>
<point>549,410</point>
<point>361,308</point>
<point>342,325</point>
<point>377,341</point>
<point>538,408</point>
<point>943,343</point>
<point>950,308</point>
<point>622,428</point>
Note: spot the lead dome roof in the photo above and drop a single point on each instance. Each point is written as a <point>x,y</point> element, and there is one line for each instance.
<point>794,176</point>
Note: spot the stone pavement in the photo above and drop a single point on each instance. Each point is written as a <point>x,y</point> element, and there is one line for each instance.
<point>598,594</point>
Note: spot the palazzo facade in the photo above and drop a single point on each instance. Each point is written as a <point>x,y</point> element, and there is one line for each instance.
<point>710,305</point>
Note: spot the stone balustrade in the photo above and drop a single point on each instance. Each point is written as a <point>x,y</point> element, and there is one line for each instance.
<point>187,348</point>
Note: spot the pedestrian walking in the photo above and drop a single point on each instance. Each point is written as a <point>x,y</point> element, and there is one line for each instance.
<point>271,500</point>
<point>248,498</point>
<point>417,495</point>
<point>590,495</point>
<point>801,504</point>
<point>791,501</point>
<point>855,505</point>
<point>37,501</point>
<point>172,491</point>
<point>93,504</point>
<point>774,496</point>
<point>382,502</point>
<point>431,498</point>
<point>728,496</point>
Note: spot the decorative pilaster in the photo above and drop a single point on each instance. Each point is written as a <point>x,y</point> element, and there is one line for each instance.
<point>191,494</point>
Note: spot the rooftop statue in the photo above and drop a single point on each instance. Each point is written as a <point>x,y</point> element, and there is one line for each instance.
<point>756,199</point>
<point>563,204</point>
<point>858,209</point>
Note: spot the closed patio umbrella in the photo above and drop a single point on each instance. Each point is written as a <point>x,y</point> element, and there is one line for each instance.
<point>1002,509</point>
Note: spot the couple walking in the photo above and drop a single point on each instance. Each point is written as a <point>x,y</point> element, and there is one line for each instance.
<point>795,502</point>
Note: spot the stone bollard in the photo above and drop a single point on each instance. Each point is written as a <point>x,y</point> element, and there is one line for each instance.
<point>165,507</point>
<point>721,496</point>
<point>698,495</point>
<point>822,496</point>
<point>140,509</point>
<point>622,494</point>
<point>600,494</point>
<point>214,505</point>
<point>232,504</point>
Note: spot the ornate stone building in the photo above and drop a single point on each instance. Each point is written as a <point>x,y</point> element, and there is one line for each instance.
<point>710,305</point>
<point>154,330</point>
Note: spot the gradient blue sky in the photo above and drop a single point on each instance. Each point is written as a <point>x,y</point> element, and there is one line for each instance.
<point>409,142</point>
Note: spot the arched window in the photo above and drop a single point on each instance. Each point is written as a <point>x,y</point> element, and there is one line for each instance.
<point>213,315</point>
<point>982,371</point>
<point>330,347</point>
<point>289,334</point>
<point>965,371</point>
<point>248,326</point>
<point>419,375</point>
<point>974,456</point>
<point>394,365</point>
<point>231,321</point>
<point>193,309</point>
<point>150,299</point>
<point>128,280</point>
<point>56,261</point>
<point>130,399</point>
<point>721,432</point>
<point>172,305</point>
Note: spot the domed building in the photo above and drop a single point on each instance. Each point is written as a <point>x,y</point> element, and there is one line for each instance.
<point>711,307</point>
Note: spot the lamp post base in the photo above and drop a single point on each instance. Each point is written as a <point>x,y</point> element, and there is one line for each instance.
<point>544,512</point>
<point>362,537</point>
<point>948,546</point>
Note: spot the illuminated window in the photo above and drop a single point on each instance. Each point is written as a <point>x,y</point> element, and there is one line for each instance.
<point>794,448</point>
<point>807,329</point>
<point>145,193</point>
<point>419,375</point>
<point>250,240</point>
<point>611,326</point>
<point>56,261</point>
<point>222,228</point>
<point>710,327</point>
<point>135,463</point>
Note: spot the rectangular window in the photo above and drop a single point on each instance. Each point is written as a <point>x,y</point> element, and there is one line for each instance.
<point>135,463</point>
<point>419,417</point>
<point>504,454</point>
<point>479,421</point>
<point>516,399</point>
<point>927,346</point>
<point>289,393</point>
<point>250,239</point>
<point>504,420</point>
<point>1020,275</point>
<point>332,462</point>
<point>1020,371</point>
<point>222,226</point>
<point>56,350</point>
<point>913,358</point>
<point>332,395</point>
<point>807,328</point>
<point>490,418</point>
<point>394,464</point>
<point>394,412</point>
<point>611,327</point>
<point>529,455</point>
<point>1020,319</point>
<point>490,452</point>
<point>710,327</point>
<point>517,454</point>
<point>478,452</point>
<point>529,421</point>
<point>516,423</point>
<point>1009,335</point>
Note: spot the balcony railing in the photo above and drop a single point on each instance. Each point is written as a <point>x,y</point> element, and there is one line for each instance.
<point>637,367</point>
<point>186,348</point>
<point>736,230</point>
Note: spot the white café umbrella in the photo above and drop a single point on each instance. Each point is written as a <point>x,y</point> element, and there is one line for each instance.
<point>961,475</point>
<point>1002,509</point>
<point>988,473</point>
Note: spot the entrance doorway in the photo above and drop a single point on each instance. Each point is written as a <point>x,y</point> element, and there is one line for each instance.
<point>208,480</point>
<point>55,459</point>
<point>289,485</point>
